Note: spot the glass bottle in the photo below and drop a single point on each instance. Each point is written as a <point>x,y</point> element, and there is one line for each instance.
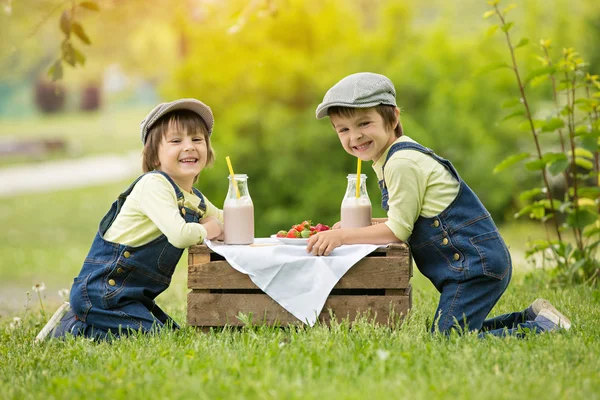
<point>238,212</point>
<point>356,211</point>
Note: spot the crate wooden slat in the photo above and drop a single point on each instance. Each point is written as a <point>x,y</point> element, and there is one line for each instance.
<point>377,285</point>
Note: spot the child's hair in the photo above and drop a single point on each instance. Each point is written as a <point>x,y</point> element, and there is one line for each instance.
<point>387,113</point>
<point>178,120</point>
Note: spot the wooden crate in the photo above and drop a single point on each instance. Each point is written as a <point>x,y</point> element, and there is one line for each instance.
<point>378,286</point>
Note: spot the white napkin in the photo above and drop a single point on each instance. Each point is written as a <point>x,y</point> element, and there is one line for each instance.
<point>297,280</point>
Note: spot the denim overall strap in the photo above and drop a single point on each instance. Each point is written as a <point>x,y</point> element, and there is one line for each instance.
<point>202,204</point>
<point>109,218</point>
<point>411,146</point>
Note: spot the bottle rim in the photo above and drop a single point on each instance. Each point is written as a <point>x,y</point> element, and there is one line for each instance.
<point>362,176</point>
<point>238,176</point>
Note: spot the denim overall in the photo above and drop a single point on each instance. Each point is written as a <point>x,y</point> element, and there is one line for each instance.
<point>462,253</point>
<point>117,285</point>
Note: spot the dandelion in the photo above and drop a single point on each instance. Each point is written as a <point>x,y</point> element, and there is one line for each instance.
<point>16,323</point>
<point>39,287</point>
<point>383,354</point>
<point>64,294</point>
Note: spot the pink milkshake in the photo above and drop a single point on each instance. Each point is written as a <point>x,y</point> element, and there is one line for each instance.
<point>238,212</point>
<point>356,211</point>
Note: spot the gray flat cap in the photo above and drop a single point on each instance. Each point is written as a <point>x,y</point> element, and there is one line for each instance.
<point>361,90</point>
<point>194,105</point>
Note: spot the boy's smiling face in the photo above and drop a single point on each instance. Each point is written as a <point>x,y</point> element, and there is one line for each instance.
<point>365,134</point>
<point>182,155</point>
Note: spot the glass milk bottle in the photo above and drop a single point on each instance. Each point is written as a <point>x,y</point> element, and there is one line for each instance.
<point>238,212</point>
<point>356,211</point>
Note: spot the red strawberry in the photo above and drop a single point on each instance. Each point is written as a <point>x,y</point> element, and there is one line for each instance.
<point>293,233</point>
<point>281,234</point>
<point>298,227</point>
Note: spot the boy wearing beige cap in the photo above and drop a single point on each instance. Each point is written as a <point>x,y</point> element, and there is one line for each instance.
<point>142,237</point>
<point>452,237</point>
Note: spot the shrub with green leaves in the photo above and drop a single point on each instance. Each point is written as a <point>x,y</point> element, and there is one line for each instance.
<point>569,157</point>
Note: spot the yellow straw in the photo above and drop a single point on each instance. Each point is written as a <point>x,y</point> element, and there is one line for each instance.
<point>358,179</point>
<point>237,190</point>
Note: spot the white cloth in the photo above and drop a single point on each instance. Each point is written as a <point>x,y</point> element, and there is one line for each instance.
<point>297,280</point>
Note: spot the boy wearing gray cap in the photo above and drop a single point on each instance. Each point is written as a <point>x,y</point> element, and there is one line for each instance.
<point>452,237</point>
<point>142,237</point>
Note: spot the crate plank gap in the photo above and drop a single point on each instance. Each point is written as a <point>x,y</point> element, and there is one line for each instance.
<point>378,286</point>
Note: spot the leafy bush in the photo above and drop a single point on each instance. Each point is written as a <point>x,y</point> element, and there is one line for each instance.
<point>573,119</point>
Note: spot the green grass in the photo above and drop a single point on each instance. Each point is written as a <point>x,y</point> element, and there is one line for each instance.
<point>46,236</point>
<point>110,131</point>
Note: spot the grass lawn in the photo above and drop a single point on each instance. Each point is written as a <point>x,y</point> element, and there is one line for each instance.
<point>84,133</point>
<point>45,237</point>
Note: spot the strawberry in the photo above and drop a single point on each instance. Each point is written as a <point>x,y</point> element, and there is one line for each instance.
<point>320,227</point>
<point>281,234</point>
<point>298,227</point>
<point>293,234</point>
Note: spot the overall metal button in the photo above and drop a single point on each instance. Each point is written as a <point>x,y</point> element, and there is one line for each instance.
<point>112,282</point>
<point>120,270</point>
<point>183,210</point>
<point>126,254</point>
<point>456,256</point>
<point>436,223</point>
<point>445,241</point>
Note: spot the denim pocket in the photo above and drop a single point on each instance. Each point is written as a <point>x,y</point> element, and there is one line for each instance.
<point>79,298</point>
<point>495,260</point>
<point>168,259</point>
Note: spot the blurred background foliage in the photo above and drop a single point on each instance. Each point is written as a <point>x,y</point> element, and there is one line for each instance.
<point>264,66</point>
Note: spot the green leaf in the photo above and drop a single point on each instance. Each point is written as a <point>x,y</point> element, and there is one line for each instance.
<point>511,103</point>
<point>512,115</point>
<point>552,125</point>
<point>523,211</point>
<point>65,23</point>
<point>68,53</point>
<point>509,161</point>
<point>506,27</point>
<point>538,80</point>
<point>522,42</point>
<point>550,69</point>
<point>488,14</point>
<point>526,126</point>
<point>589,192</point>
<point>590,143</point>
<point>584,163</point>
<point>90,5</point>
<point>508,8</point>
<point>535,165</point>
<point>581,217</point>
<point>581,152</point>
<point>491,30</point>
<point>546,204</point>
<point>529,194</point>
<point>79,58</point>
<point>80,33</point>
<point>492,67</point>
<point>56,70</point>
<point>558,167</point>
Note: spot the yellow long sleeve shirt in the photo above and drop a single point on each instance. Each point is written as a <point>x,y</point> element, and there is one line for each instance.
<point>417,184</point>
<point>151,210</point>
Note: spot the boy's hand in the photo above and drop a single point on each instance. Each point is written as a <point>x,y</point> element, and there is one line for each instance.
<point>323,243</point>
<point>214,227</point>
<point>337,225</point>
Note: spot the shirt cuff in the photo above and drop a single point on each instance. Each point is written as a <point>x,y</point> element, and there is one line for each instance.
<point>398,231</point>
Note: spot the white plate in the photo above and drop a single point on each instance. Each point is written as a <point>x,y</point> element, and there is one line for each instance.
<point>301,242</point>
